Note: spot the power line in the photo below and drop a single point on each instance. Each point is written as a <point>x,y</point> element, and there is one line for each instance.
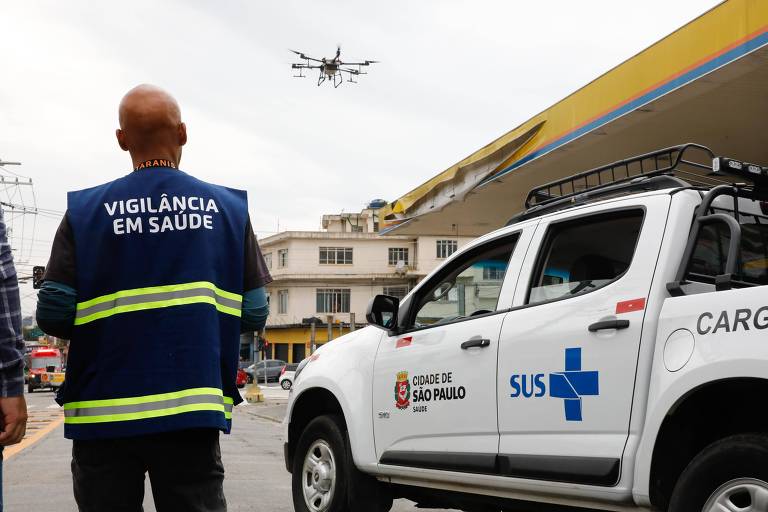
<point>2,163</point>
<point>16,203</point>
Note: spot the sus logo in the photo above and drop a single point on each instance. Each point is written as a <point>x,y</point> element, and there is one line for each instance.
<point>402,391</point>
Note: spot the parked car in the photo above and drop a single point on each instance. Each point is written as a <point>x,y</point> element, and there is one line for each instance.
<point>606,349</point>
<point>242,378</point>
<point>273,367</point>
<point>286,375</point>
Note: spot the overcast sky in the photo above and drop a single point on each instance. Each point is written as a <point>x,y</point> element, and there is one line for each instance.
<point>454,75</point>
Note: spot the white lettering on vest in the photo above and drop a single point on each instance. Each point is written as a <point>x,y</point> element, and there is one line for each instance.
<point>130,218</point>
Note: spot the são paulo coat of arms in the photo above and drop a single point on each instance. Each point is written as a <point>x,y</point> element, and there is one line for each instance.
<point>402,391</point>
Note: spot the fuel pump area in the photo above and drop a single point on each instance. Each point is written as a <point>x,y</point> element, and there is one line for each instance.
<point>704,83</point>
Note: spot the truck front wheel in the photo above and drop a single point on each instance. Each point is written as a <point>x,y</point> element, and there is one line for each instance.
<point>324,477</point>
<point>730,474</point>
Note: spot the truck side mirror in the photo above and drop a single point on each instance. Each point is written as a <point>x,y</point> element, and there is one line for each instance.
<point>382,312</point>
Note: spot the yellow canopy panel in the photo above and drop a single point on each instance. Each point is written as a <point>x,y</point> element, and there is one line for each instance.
<point>703,83</point>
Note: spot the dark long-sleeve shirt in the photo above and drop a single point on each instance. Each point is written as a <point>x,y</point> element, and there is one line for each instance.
<point>11,341</point>
<point>57,300</point>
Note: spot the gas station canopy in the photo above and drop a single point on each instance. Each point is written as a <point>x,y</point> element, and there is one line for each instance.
<point>706,83</point>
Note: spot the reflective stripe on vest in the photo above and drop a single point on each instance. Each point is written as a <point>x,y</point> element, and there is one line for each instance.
<point>154,297</point>
<point>150,406</point>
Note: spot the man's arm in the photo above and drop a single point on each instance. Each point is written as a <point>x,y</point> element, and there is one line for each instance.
<point>255,310</point>
<point>57,300</point>
<point>56,308</point>
<point>13,408</point>
<point>255,307</point>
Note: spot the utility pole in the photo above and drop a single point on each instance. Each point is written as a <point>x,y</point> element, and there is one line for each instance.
<point>312,321</point>
<point>19,204</point>
<point>312,335</point>
<point>253,392</point>
<point>15,181</point>
<point>6,180</point>
<point>351,322</point>
<point>330,328</point>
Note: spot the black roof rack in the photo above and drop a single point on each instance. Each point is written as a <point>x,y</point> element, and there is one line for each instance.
<point>677,166</point>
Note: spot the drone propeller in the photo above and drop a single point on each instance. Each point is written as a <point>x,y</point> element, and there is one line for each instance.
<point>304,56</point>
<point>338,51</point>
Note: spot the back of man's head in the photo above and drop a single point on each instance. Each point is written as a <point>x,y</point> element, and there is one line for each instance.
<point>150,125</point>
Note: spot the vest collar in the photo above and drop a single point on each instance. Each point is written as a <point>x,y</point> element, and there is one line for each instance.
<point>156,162</point>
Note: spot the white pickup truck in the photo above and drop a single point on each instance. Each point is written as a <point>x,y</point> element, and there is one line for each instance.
<point>607,349</point>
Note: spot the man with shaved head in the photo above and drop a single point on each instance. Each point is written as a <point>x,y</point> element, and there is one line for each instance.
<point>152,276</point>
<point>150,126</point>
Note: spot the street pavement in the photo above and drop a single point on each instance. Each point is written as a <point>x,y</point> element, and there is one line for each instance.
<point>37,476</point>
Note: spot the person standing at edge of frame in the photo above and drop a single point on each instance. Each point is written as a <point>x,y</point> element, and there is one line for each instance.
<point>13,407</point>
<point>152,277</point>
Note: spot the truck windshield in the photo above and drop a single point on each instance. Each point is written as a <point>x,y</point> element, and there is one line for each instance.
<point>711,251</point>
<point>44,362</point>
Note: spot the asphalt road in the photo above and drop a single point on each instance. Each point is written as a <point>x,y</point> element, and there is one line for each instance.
<point>37,474</point>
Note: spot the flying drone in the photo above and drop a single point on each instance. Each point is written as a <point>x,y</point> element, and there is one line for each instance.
<point>331,69</point>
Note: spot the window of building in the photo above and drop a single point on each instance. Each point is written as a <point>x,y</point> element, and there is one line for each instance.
<point>583,255</point>
<point>268,260</point>
<point>396,291</point>
<point>282,302</point>
<point>282,258</point>
<point>356,229</point>
<point>299,352</point>
<point>281,353</point>
<point>493,273</point>
<point>398,254</point>
<point>333,300</point>
<point>445,248</point>
<point>335,255</point>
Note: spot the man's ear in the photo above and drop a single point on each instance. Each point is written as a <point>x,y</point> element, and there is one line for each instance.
<point>121,139</point>
<point>182,134</point>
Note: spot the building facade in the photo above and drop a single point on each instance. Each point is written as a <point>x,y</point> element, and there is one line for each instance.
<point>329,276</point>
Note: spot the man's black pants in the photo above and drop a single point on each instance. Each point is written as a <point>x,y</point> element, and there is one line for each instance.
<point>184,468</point>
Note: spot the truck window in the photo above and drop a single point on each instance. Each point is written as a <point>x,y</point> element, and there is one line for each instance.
<point>585,254</point>
<point>470,287</point>
<point>711,250</point>
<point>44,362</point>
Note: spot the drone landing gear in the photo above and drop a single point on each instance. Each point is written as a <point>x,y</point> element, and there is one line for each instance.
<point>338,79</point>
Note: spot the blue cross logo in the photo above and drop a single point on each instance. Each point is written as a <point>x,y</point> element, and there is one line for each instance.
<point>573,383</point>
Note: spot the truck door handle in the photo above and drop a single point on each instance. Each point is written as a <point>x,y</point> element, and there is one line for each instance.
<point>608,324</point>
<point>476,342</point>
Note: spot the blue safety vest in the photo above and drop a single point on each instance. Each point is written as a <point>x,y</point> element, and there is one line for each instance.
<point>155,346</point>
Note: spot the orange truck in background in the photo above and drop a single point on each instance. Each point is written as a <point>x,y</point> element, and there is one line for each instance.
<point>45,369</point>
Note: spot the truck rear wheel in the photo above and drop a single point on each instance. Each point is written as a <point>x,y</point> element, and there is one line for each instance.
<point>324,476</point>
<point>730,474</point>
